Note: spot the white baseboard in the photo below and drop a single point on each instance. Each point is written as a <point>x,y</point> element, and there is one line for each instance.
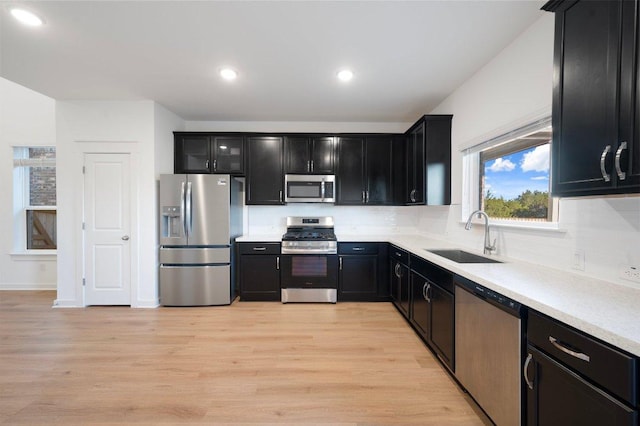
<point>147,304</point>
<point>59,303</point>
<point>28,286</point>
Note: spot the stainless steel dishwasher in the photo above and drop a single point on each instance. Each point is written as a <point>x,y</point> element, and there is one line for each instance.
<point>489,350</point>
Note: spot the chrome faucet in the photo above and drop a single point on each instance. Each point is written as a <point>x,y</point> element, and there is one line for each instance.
<point>488,247</point>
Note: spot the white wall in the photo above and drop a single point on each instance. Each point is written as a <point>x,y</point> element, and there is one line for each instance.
<point>514,88</point>
<point>27,118</point>
<point>111,127</point>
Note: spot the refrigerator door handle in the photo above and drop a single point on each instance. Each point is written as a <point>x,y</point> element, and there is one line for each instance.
<point>189,210</point>
<point>182,209</point>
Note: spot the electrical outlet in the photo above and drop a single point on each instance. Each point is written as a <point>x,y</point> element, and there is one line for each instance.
<point>578,260</point>
<point>631,273</point>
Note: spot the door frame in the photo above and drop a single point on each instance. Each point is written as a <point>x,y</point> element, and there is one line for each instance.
<point>116,147</point>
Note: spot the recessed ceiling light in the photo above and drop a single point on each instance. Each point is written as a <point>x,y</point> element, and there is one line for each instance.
<point>228,74</point>
<point>345,75</point>
<point>27,17</point>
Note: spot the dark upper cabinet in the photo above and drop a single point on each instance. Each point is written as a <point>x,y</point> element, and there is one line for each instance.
<point>424,175</point>
<point>192,153</point>
<point>364,170</point>
<point>415,178</point>
<point>310,154</point>
<point>208,153</point>
<point>265,179</point>
<point>595,98</point>
<point>437,133</point>
<point>350,176</point>
<point>228,154</point>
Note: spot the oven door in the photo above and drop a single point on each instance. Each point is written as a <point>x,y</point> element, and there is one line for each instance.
<point>309,271</point>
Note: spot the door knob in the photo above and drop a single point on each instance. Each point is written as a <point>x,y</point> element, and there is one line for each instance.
<point>125,238</point>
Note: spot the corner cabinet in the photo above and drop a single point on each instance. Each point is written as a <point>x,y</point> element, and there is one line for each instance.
<point>364,170</point>
<point>399,275</point>
<point>362,272</point>
<point>265,178</point>
<point>596,116</point>
<point>427,175</point>
<point>208,153</point>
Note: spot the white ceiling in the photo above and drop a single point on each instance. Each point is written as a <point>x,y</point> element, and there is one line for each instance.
<point>407,56</point>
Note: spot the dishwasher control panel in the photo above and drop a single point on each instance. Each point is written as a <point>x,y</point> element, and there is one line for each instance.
<point>489,295</point>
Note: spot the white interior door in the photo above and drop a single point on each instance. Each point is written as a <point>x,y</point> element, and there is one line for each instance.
<point>107,226</point>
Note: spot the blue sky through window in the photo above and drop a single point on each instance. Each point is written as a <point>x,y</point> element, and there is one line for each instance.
<point>511,175</point>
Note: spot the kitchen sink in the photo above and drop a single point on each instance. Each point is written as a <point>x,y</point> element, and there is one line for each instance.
<point>461,256</point>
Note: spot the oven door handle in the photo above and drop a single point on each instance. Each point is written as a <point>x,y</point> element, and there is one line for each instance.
<point>340,261</point>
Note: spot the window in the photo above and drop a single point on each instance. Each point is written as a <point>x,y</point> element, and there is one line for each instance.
<point>34,180</point>
<point>510,176</point>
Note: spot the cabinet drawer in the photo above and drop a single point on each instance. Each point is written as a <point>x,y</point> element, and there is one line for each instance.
<point>434,273</point>
<point>357,248</point>
<point>603,364</point>
<point>398,254</point>
<point>259,248</point>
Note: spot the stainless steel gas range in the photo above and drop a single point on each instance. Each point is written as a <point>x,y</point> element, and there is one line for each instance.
<point>309,261</point>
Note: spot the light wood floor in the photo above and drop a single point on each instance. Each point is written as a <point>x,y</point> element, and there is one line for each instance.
<point>251,363</point>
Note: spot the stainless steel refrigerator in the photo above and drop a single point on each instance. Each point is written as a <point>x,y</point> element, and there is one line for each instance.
<point>200,216</point>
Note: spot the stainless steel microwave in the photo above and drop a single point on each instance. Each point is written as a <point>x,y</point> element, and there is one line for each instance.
<point>310,188</point>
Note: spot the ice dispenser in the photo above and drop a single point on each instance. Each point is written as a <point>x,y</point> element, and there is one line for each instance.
<point>172,223</point>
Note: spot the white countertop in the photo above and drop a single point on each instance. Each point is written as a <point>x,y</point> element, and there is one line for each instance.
<point>608,311</point>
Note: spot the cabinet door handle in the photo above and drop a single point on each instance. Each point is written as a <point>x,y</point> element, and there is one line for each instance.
<point>215,165</point>
<point>621,175</point>
<point>206,164</point>
<point>367,199</point>
<point>364,199</point>
<point>340,263</point>
<point>278,262</point>
<point>606,176</point>
<point>412,196</point>
<point>311,165</point>
<point>357,248</point>
<point>308,165</point>
<point>568,351</point>
<point>525,371</point>
<point>425,292</point>
<point>259,248</point>
<point>280,195</point>
<point>397,270</point>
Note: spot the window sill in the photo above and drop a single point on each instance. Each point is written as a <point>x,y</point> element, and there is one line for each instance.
<point>39,255</point>
<point>551,227</point>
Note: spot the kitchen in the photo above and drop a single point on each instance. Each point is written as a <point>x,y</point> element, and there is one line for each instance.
<point>513,88</point>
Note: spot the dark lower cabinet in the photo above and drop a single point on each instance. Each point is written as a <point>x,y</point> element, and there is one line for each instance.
<point>432,308</point>
<point>399,279</point>
<point>562,397</point>
<point>573,379</point>
<point>259,271</point>
<point>362,272</point>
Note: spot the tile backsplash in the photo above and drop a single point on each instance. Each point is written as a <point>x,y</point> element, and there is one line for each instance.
<point>606,231</point>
